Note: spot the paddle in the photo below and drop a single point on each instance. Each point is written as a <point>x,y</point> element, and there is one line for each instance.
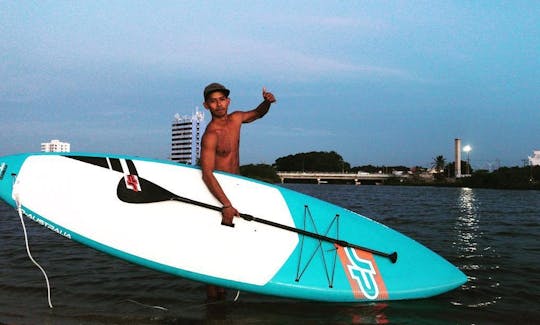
<point>152,193</point>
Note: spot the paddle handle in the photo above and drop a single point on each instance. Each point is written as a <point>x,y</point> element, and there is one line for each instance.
<point>343,243</point>
<point>392,256</point>
<point>156,193</point>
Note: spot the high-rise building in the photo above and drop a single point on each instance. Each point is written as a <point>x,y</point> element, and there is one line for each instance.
<point>187,132</point>
<point>55,146</point>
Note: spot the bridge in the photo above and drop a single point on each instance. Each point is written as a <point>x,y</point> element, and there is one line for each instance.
<point>324,177</point>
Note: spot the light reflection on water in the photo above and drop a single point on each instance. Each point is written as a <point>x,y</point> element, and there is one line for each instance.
<point>467,223</point>
<point>469,239</point>
<point>491,235</point>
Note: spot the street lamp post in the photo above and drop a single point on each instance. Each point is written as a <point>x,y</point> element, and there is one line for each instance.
<point>468,149</point>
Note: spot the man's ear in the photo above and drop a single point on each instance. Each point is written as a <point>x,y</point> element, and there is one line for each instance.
<point>204,104</point>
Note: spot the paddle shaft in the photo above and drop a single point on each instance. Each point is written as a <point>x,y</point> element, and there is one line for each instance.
<point>248,217</point>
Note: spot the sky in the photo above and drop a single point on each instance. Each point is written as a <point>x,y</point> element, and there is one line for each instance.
<point>379,82</point>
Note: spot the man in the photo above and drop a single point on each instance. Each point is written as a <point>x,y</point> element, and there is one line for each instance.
<point>220,148</point>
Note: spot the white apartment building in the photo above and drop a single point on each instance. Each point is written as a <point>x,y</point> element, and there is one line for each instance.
<point>187,132</point>
<point>55,146</point>
<point>535,159</point>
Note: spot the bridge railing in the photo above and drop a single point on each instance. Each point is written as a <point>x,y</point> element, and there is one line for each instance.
<point>324,177</point>
<point>333,174</point>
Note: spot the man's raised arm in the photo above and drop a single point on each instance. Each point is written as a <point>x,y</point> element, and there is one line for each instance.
<point>262,109</point>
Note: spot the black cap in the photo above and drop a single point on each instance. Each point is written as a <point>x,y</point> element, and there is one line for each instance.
<point>215,87</point>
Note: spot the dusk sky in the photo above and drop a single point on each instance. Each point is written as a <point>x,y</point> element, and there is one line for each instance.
<point>379,82</point>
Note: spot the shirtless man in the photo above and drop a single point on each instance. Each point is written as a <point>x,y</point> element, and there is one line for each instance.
<point>220,148</point>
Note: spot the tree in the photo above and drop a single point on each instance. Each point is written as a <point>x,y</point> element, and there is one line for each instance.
<point>438,163</point>
<point>262,172</point>
<point>450,169</point>
<point>315,161</point>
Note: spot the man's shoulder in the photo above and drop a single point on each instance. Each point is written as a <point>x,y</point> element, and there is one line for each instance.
<point>236,114</point>
<point>240,117</point>
<point>210,132</point>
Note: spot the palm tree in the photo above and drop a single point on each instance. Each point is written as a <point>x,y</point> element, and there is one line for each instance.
<point>438,164</point>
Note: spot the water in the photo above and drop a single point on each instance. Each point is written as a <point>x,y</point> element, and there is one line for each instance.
<point>492,235</point>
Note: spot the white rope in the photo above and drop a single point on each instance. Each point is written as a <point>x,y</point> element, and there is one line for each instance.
<point>19,209</point>
<point>237,296</point>
<point>147,306</point>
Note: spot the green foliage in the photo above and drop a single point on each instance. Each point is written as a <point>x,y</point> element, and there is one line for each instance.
<point>438,163</point>
<point>450,169</point>
<point>366,169</point>
<point>505,178</point>
<point>376,169</point>
<point>262,172</point>
<point>315,161</point>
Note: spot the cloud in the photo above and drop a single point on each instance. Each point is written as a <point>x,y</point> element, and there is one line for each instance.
<point>89,44</point>
<point>339,23</point>
<point>277,131</point>
<point>270,59</point>
<point>234,55</point>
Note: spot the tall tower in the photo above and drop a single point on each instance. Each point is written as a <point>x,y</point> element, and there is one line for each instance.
<point>187,132</point>
<point>457,164</point>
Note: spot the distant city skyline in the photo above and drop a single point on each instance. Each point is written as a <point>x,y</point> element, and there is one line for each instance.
<point>381,83</point>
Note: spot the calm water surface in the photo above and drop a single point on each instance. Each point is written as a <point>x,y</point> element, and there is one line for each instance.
<point>491,235</point>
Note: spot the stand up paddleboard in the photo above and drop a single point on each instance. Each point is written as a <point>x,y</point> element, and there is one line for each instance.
<point>159,214</point>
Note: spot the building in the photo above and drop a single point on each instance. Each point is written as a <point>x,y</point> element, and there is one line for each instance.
<point>187,132</point>
<point>55,146</point>
<point>535,159</point>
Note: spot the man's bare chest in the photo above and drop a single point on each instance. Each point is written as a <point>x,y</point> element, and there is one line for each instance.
<point>228,142</point>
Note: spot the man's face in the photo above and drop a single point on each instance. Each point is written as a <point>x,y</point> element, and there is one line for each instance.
<point>218,103</point>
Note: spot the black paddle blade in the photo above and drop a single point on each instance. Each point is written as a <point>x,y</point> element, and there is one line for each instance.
<point>393,257</point>
<point>148,193</point>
